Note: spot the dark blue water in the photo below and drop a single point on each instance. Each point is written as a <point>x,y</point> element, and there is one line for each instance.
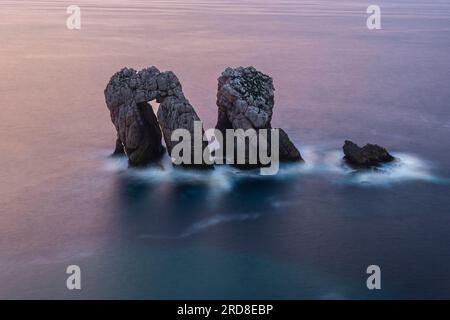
<point>163,233</point>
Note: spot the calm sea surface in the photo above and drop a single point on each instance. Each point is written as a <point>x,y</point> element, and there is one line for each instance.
<point>309,232</point>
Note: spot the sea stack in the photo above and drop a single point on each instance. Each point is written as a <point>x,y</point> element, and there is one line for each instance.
<point>127,96</point>
<point>367,156</point>
<point>245,100</point>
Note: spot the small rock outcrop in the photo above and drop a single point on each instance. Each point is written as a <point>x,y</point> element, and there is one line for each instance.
<point>367,156</point>
<point>288,151</point>
<point>245,99</point>
<point>138,129</point>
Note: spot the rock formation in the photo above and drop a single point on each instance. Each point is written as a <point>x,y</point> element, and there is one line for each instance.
<point>119,149</point>
<point>245,99</point>
<point>138,129</point>
<point>369,155</point>
<point>288,151</point>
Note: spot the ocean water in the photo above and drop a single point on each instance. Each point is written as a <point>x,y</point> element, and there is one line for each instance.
<point>164,233</point>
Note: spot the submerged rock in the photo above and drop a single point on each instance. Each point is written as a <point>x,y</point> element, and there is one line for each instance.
<point>245,99</point>
<point>369,155</point>
<point>127,95</point>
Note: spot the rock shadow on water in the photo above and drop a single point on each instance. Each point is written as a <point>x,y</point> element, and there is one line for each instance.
<point>166,202</point>
<point>173,203</point>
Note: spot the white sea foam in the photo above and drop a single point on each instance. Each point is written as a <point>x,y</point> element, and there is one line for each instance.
<point>407,167</point>
<point>204,224</point>
<point>330,164</point>
<point>319,161</point>
<point>215,220</point>
<point>164,171</point>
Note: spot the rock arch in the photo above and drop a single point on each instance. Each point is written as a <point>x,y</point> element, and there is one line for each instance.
<point>245,100</point>
<point>139,131</point>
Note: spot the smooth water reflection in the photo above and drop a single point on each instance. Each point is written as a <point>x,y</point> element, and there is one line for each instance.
<point>309,232</point>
